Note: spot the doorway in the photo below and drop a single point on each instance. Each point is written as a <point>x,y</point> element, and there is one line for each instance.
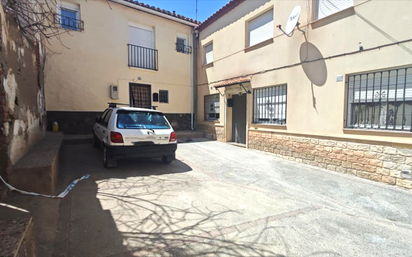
<point>239,119</point>
<point>140,95</point>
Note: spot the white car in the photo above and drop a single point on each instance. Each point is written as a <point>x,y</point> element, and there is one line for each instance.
<point>128,132</point>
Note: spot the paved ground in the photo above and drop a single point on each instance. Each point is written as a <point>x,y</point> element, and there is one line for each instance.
<point>221,200</point>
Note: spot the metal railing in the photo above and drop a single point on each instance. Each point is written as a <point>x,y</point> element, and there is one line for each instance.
<point>142,57</point>
<point>69,23</point>
<point>183,49</point>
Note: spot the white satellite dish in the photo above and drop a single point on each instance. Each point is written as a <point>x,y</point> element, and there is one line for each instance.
<point>293,19</point>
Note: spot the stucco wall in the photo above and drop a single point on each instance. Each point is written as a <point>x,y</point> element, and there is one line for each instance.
<point>316,102</point>
<point>80,68</point>
<point>22,112</point>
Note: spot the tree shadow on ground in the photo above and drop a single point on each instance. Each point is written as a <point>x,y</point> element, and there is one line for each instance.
<point>135,210</point>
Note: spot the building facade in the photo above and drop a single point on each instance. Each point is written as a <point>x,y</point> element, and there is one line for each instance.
<point>118,51</point>
<point>334,93</point>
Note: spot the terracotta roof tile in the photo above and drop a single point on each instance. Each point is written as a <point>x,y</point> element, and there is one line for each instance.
<point>230,82</point>
<point>163,11</point>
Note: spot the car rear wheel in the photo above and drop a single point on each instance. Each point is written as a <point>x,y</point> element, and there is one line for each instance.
<point>107,161</point>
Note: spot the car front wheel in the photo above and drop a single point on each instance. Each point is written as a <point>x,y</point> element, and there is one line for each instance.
<point>107,161</point>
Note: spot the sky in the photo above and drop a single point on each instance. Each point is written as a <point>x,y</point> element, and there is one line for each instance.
<point>188,7</point>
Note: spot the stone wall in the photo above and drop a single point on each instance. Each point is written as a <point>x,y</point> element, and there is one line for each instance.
<point>212,131</point>
<point>380,163</point>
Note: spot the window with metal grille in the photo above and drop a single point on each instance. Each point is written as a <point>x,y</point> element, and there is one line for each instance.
<point>212,107</point>
<point>163,96</point>
<point>380,100</point>
<point>269,105</point>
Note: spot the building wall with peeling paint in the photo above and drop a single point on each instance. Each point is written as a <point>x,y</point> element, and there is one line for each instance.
<point>22,112</point>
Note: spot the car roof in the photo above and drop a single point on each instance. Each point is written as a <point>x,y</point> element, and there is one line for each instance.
<point>136,109</point>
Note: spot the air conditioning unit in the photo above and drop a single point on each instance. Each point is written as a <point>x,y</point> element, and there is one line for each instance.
<point>114,92</point>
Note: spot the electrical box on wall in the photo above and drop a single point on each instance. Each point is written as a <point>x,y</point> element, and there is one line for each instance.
<point>230,102</point>
<point>114,92</point>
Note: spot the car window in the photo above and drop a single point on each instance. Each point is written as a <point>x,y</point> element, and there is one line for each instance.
<point>107,118</point>
<point>141,120</point>
<point>101,118</point>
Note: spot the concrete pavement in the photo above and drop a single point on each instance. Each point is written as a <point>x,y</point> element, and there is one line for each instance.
<point>222,200</point>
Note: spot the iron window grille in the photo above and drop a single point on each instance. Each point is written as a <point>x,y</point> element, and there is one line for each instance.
<point>142,57</point>
<point>269,105</point>
<point>212,107</point>
<point>380,100</point>
<point>163,96</point>
<point>69,22</point>
<point>181,48</point>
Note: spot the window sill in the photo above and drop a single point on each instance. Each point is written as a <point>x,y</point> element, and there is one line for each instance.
<point>208,65</point>
<point>212,121</point>
<point>142,69</point>
<point>259,45</point>
<point>256,126</point>
<point>377,132</point>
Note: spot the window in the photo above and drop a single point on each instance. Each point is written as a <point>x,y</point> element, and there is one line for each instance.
<point>208,53</point>
<point>141,47</point>
<point>141,119</point>
<point>260,28</point>
<point>380,100</point>
<point>155,97</point>
<point>269,105</point>
<point>182,47</point>
<point>212,107</point>
<point>325,8</point>
<point>163,96</point>
<point>107,118</point>
<point>68,16</point>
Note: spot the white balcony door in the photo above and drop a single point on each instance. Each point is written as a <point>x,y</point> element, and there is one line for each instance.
<point>142,53</point>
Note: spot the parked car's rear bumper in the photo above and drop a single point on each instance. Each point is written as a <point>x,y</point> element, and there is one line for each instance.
<point>130,152</point>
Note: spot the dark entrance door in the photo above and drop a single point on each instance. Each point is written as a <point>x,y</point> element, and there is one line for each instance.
<point>140,95</point>
<point>239,119</point>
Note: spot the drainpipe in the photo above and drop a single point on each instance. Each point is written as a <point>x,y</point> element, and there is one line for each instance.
<point>193,75</point>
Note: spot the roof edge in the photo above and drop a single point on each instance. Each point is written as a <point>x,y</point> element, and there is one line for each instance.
<point>220,13</point>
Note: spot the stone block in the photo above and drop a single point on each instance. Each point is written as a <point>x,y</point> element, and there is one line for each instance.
<point>363,174</point>
<point>395,173</point>
<point>368,168</point>
<point>357,166</point>
<point>341,169</point>
<point>377,148</point>
<point>337,150</point>
<point>389,165</point>
<point>408,161</point>
<point>376,163</point>
<point>352,159</point>
<point>352,172</point>
<point>331,167</point>
<point>389,150</point>
<point>347,164</point>
<point>388,180</point>
<point>342,145</point>
<point>314,141</point>
<point>370,155</point>
<point>404,167</point>
<point>398,158</point>
<point>348,152</point>
<point>383,171</point>
<point>406,183</point>
<point>404,152</point>
<point>359,153</point>
<point>329,143</point>
<point>383,156</point>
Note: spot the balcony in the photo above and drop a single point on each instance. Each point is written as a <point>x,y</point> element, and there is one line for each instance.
<point>68,22</point>
<point>183,49</point>
<point>142,57</point>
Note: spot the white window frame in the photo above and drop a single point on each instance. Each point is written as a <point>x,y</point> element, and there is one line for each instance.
<point>68,6</point>
<point>333,10</point>
<point>271,24</point>
<point>205,53</point>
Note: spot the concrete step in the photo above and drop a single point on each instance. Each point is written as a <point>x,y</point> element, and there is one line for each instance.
<point>16,232</point>
<point>37,171</point>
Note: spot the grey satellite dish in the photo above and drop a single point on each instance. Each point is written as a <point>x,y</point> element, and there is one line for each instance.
<point>293,20</point>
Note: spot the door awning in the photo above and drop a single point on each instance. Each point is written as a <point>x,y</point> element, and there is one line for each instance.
<point>231,82</point>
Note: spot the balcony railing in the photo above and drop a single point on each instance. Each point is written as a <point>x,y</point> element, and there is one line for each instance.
<point>69,23</point>
<point>142,57</point>
<point>183,49</point>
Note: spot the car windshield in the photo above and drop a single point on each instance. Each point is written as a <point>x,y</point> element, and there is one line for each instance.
<point>141,120</point>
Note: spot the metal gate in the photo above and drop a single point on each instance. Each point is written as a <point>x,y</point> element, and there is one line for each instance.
<point>239,119</point>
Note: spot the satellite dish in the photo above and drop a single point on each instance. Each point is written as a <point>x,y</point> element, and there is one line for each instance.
<point>293,19</point>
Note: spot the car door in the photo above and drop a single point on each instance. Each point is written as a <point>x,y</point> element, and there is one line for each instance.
<point>105,131</point>
<point>98,125</point>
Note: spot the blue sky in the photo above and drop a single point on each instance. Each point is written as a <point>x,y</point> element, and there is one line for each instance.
<point>188,7</point>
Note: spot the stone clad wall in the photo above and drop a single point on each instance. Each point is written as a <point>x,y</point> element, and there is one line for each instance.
<point>212,131</point>
<point>380,163</point>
